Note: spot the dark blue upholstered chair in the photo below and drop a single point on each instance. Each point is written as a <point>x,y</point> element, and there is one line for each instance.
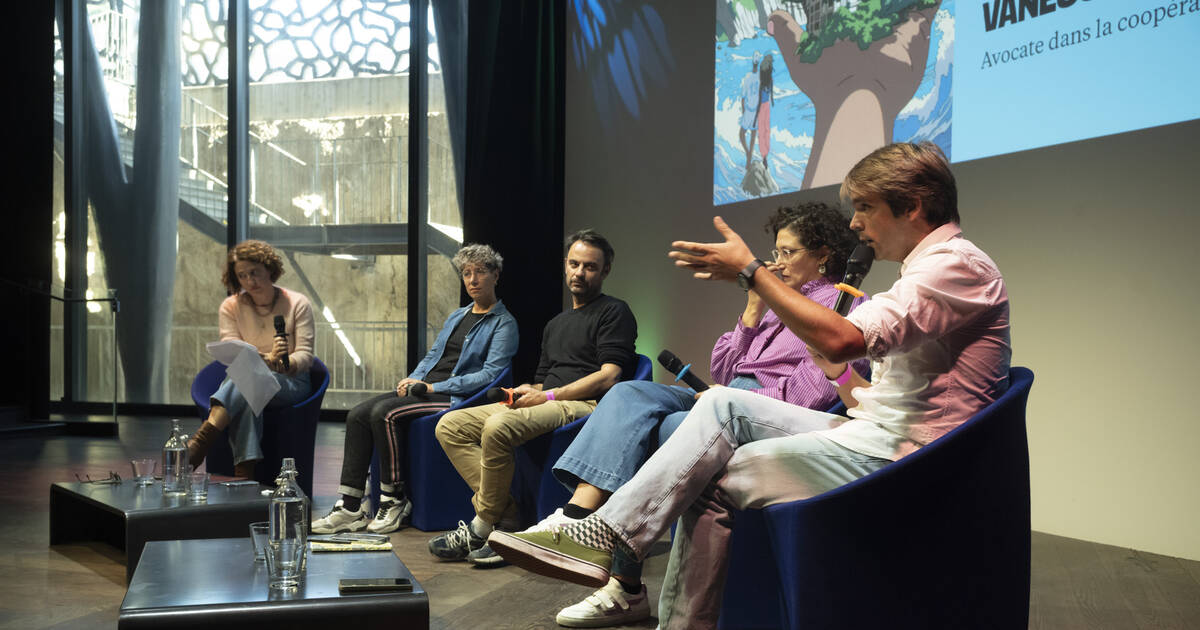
<point>939,539</point>
<point>534,487</point>
<point>287,431</point>
<point>439,495</point>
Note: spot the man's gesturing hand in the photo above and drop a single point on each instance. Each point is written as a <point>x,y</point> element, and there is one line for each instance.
<point>713,261</point>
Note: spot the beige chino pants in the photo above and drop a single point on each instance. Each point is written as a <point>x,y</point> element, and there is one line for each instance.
<point>480,442</point>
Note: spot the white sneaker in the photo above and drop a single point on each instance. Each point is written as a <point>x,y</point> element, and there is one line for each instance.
<point>392,515</point>
<point>609,606</point>
<point>557,519</point>
<point>340,519</point>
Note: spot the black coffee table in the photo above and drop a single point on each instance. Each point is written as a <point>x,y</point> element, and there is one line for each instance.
<point>126,515</point>
<point>216,584</point>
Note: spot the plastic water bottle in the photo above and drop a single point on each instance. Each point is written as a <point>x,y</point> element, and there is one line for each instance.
<point>175,462</point>
<point>289,520</point>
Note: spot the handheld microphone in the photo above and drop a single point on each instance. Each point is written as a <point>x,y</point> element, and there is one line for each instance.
<point>281,331</point>
<point>502,395</point>
<point>682,372</point>
<point>417,389</point>
<point>857,267</point>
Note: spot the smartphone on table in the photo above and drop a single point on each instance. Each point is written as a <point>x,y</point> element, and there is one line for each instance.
<point>348,586</point>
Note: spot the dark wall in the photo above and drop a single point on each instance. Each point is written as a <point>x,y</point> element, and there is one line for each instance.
<point>25,258</point>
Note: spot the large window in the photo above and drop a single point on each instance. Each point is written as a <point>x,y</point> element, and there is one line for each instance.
<point>327,168</point>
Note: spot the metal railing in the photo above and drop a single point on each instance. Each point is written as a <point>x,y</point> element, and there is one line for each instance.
<point>380,345</point>
<point>353,180</point>
<point>114,308</point>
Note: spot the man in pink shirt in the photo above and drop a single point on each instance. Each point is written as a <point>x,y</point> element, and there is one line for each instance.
<point>939,345</point>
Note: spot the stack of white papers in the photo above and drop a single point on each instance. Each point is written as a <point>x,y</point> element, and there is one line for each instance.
<point>247,370</point>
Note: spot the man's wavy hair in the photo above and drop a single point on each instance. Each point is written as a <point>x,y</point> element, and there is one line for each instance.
<point>903,174</point>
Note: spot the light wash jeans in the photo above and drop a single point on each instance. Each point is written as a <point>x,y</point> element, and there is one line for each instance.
<point>245,428</point>
<point>630,422</point>
<point>736,450</point>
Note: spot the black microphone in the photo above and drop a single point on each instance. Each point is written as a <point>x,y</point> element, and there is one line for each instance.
<point>281,331</point>
<point>417,389</point>
<point>857,267</point>
<point>682,372</point>
<point>502,395</point>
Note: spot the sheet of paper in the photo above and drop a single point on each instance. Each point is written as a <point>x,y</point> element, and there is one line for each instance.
<point>227,351</point>
<point>248,372</point>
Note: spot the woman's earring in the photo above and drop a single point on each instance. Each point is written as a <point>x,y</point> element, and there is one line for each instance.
<point>821,269</point>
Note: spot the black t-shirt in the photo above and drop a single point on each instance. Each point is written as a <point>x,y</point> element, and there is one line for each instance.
<point>444,368</point>
<point>577,342</point>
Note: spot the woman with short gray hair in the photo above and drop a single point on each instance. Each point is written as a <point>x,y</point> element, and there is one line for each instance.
<point>475,345</point>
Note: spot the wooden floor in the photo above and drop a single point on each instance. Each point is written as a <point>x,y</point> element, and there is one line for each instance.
<point>1075,584</point>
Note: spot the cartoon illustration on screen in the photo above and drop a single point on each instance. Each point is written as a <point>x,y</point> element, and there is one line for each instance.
<point>805,88</point>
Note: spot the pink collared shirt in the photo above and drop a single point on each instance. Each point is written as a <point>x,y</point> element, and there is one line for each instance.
<point>939,344</point>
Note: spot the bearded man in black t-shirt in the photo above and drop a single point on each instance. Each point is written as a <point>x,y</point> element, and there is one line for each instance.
<point>585,351</point>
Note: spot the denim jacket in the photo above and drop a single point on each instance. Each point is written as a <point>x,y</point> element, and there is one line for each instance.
<point>487,350</point>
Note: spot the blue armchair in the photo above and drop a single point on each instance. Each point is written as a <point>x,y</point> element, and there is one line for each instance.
<point>939,539</point>
<point>287,431</point>
<point>439,496</point>
<point>534,486</point>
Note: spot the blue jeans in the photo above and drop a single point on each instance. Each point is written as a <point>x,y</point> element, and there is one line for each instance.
<point>735,451</point>
<point>245,428</point>
<point>631,421</point>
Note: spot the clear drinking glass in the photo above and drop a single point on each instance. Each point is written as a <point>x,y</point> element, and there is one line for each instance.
<point>283,561</point>
<point>259,535</point>
<point>143,470</point>
<point>198,486</point>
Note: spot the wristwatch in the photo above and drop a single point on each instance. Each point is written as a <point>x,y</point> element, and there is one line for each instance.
<point>745,277</point>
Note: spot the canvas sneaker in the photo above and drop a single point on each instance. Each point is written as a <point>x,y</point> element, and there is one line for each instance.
<point>340,519</point>
<point>557,554</point>
<point>609,606</point>
<point>392,515</point>
<point>455,544</point>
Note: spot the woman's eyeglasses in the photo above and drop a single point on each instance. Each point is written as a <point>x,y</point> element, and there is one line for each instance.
<point>784,253</point>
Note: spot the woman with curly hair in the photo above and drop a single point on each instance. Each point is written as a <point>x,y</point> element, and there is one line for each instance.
<point>812,243</point>
<point>248,314</point>
<point>476,343</point>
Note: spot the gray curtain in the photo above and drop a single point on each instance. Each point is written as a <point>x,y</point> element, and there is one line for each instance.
<point>137,211</point>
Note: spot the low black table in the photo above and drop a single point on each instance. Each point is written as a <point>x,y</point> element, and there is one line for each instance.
<point>216,584</point>
<point>126,515</point>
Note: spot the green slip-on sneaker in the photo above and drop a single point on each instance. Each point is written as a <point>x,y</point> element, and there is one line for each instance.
<point>553,554</point>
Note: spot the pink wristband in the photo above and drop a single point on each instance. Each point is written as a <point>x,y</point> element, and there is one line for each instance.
<point>844,378</point>
<point>549,394</point>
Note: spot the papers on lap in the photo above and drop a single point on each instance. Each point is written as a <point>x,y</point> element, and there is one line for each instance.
<point>247,370</point>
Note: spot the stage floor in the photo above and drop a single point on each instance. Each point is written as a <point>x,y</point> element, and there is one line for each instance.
<point>1076,584</point>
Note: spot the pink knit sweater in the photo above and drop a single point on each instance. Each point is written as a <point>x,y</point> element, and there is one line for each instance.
<point>238,320</point>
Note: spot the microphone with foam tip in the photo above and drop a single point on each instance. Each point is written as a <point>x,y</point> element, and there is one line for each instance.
<point>682,372</point>
<point>281,331</point>
<point>417,389</point>
<point>857,267</point>
<point>502,395</point>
